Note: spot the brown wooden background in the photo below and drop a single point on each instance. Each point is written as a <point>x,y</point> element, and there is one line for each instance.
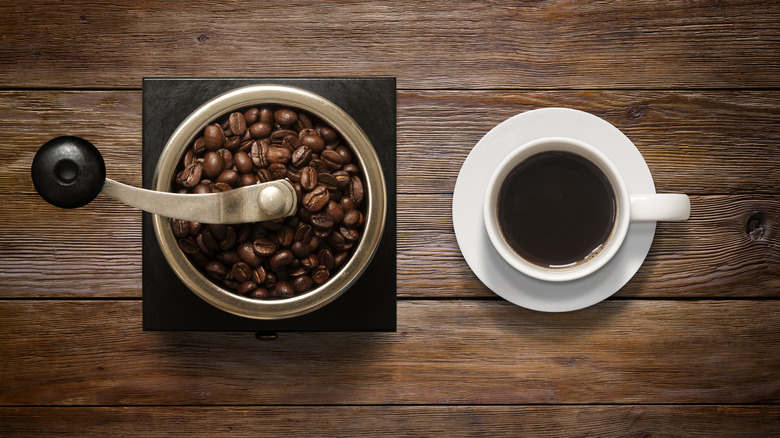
<point>690,346</point>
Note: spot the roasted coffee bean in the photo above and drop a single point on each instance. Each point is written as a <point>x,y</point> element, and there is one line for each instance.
<point>277,137</point>
<point>309,178</point>
<point>283,289</point>
<point>331,158</point>
<point>303,233</point>
<point>243,233</point>
<point>243,162</point>
<point>266,115</point>
<point>241,272</point>
<point>247,179</point>
<point>233,143</point>
<point>346,154</point>
<point>300,249</point>
<point>301,156</point>
<point>328,134</point>
<point>356,189</point>
<point>342,178</point>
<point>285,117</point>
<point>350,169</point>
<point>335,211</point>
<point>190,176</point>
<point>322,221</point>
<point>291,142</point>
<point>273,225</point>
<point>304,122</point>
<point>264,247</point>
<point>320,274</point>
<point>199,146</point>
<point>350,234</point>
<point>201,189</point>
<point>316,200</point>
<point>260,130</point>
<point>336,239</point>
<point>227,158</point>
<point>247,254</point>
<point>298,191</point>
<point>218,230</point>
<point>251,115</point>
<point>335,195</point>
<point>213,164</point>
<point>188,245</point>
<point>347,203</point>
<point>281,259</point>
<point>315,241</point>
<point>228,176</point>
<point>213,137</point>
<point>221,187</point>
<point>229,257</point>
<point>260,293</point>
<point>216,270</point>
<point>181,229</point>
<point>293,174</point>
<point>259,275</point>
<point>237,123</point>
<point>339,258</point>
<point>353,218</point>
<point>285,235</point>
<point>264,175</point>
<point>328,180</point>
<point>247,287</point>
<point>313,141</point>
<point>318,164</point>
<point>189,158</point>
<point>302,283</point>
<point>277,170</point>
<point>309,262</point>
<point>325,257</point>
<point>229,240</point>
<point>278,154</point>
<point>208,242</point>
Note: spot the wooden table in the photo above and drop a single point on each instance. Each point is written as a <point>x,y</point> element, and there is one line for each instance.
<point>690,346</point>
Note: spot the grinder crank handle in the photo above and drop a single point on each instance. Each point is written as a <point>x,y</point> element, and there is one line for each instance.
<point>69,172</point>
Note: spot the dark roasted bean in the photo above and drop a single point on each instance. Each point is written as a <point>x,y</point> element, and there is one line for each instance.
<point>320,274</point>
<point>332,159</point>
<point>181,229</point>
<point>213,164</point>
<point>213,137</point>
<point>285,235</point>
<point>251,115</point>
<point>199,146</point>
<point>243,162</point>
<point>259,275</point>
<point>356,189</point>
<point>229,257</point>
<point>325,257</point>
<point>247,287</point>
<point>247,179</point>
<point>216,270</point>
<point>247,254</point>
<point>277,170</point>
<point>350,169</point>
<point>342,178</point>
<point>221,187</point>
<point>309,178</point>
<point>350,234</point>
<point>353,218</point>
<point>260,130</point>
<point>190,176</point>
<point>316,200</point>
<point>302,283</point>
<point>188,245</point>
<point>227,158</point>
<point>264,247</point>
<point>313,141</point>
<point>339,258</point>
<point>201,189</point>
<point>237,123</point>
<point>300,249</point>
<point>301,156</point>
<point>283,289</point>
<point>233,143</point>
<point>260,293</point>
<point>229,177</point>
<point>281,259</point>
<point>328,180</point>
<point>285,117</point>
<point>278,154</point>
<point>303,233</point>
<point>241,272</point>
<point>328,134</point>
<point>335,211</point>
<point>346,154</point>
<point>229,240</point>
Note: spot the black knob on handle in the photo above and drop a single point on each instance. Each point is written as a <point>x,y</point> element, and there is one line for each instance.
<point>68,172</point>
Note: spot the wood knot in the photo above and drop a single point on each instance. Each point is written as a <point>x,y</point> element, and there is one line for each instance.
<point>755,227</point>
<point>202,39</point>
<point>635,111</point>
<point>83,19</point>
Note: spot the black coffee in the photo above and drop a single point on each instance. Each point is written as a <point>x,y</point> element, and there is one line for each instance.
<point>556,208</point>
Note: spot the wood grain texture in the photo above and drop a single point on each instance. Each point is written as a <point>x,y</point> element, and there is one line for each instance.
<point>445,352</point>
<point>96,251</point>
<point>708,421</point>
<point>709,142</point>
<point>434,44</point>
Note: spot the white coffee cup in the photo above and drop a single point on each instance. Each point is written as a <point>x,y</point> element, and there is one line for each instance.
<point>628,207</point>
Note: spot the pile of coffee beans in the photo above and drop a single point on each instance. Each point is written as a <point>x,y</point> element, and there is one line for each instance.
<point>285,257</point>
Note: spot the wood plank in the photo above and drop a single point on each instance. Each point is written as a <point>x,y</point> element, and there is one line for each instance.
<point>495,421</point>
<point>445,352</point>
<point>691,141</point>
<point>435,44</point>
<point>96,251</point>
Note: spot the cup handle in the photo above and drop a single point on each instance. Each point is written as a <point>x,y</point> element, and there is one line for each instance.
<point>660,207</point>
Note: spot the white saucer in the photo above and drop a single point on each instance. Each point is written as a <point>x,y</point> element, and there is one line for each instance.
<point>469,196</point>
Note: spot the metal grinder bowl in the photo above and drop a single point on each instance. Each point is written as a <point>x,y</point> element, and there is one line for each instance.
<point>375,201</point>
